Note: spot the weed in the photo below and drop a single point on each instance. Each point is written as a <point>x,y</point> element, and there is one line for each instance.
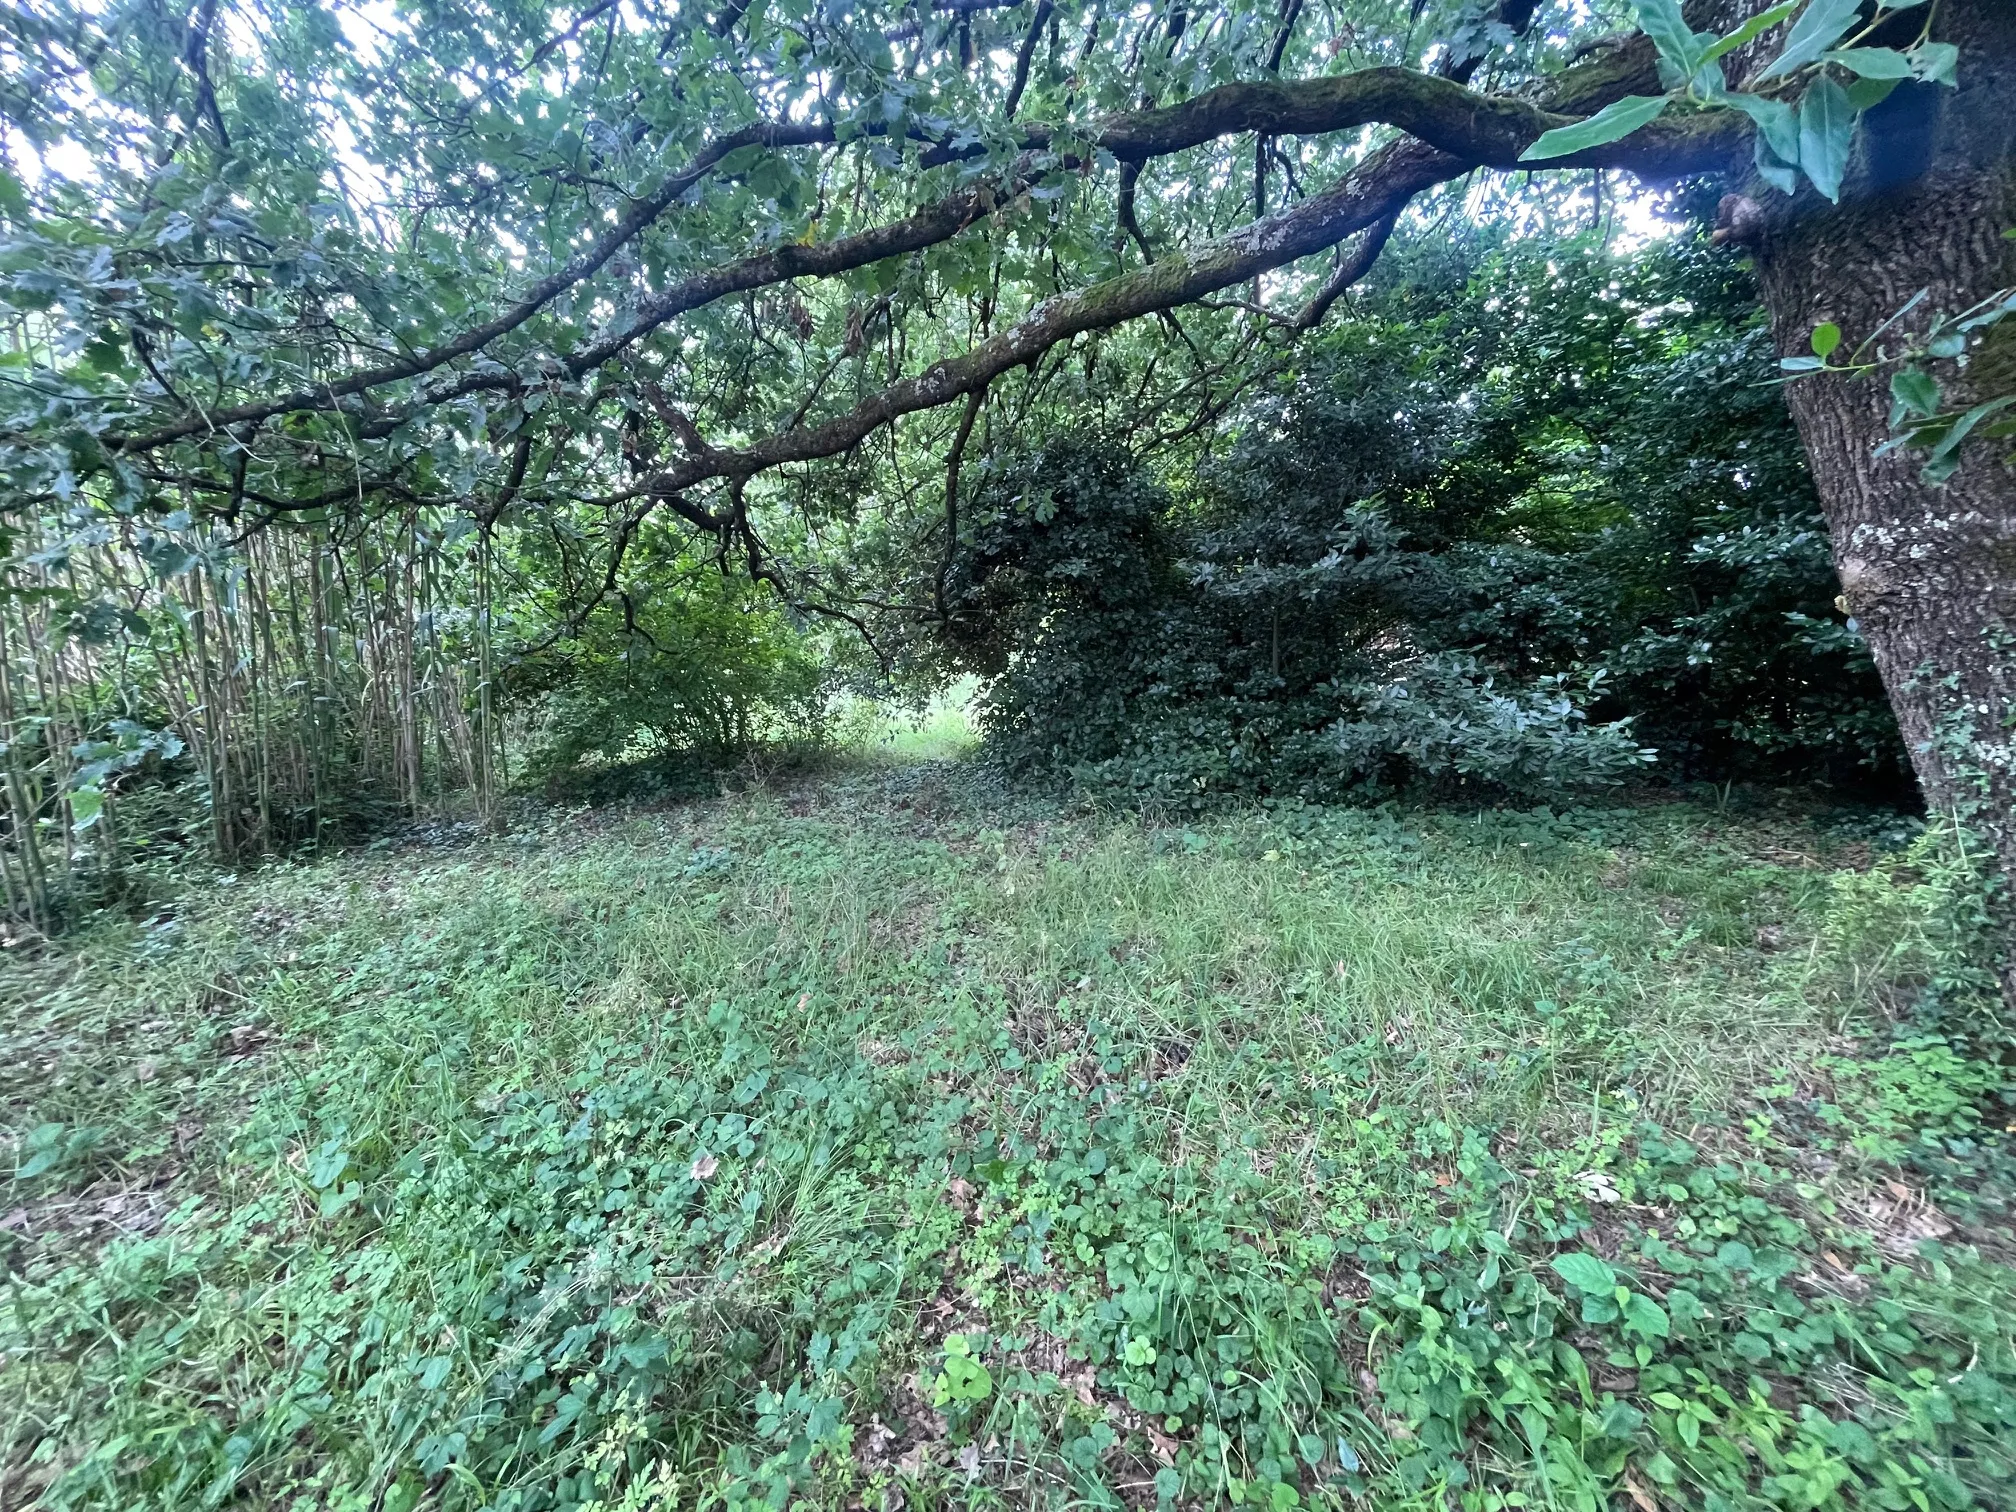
<point>880,1141</point>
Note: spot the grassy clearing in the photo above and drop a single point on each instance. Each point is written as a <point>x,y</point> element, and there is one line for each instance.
<point>886,1142</point>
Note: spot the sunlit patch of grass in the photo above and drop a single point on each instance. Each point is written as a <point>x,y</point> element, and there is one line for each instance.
<point>941,730</point>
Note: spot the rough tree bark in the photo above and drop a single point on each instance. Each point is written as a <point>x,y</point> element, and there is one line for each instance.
<point>1929,573</point>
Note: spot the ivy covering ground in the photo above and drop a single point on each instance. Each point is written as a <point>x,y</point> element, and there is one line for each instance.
<point>886,1142</point>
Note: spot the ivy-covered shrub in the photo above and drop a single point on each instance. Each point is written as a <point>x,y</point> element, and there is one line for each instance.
<point>1636,499</point>
<point>1407,565</point>
<point>1245,648</point>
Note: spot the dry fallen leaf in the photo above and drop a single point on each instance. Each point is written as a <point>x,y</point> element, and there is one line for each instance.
<point>704,1167</point>
<point>969,1460</point>
<point>1597,1186</point>
<point>1646,1501</point>
<point>962,1194</point>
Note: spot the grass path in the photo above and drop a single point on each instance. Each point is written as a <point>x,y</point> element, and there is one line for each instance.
<point>884,1142</point>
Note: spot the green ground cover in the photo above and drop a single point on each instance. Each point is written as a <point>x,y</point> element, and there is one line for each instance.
<point>883,1141</point>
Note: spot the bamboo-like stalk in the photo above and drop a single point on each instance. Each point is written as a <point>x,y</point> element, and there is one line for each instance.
<point>317,665</point>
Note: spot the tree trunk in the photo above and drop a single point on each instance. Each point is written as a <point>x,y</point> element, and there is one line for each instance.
<point>1929,573</point>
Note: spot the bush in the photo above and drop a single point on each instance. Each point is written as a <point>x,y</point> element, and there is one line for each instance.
<point>1636,499</point>
<point>1255,645</point>
<point>1408,566</point>
<point>693,679</point>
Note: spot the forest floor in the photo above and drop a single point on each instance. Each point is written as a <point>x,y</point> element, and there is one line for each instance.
<point>883,1140</point>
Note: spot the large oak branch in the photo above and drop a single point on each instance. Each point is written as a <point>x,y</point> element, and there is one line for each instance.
<point>1480,130</point>
<point>1368,196</point>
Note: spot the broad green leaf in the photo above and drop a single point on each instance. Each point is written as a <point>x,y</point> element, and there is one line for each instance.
<point>1774,170</point>
<point>1826,340</point>
<point>1872,62</point>
<point>1610,124</point>
<point>1949,447</point>
<point>1662,22</point>
<point>86,804</point>
<point>1776,124</point>
<point>1750,30</point>
<point>1710,82</point>
<point>1867,94</point>
<point>1936,63</point>
<point>1821,25</point>
<point>1915,392</point>
<point>1826,131</point>
<point>1645,1317</point>
<point>1585,1273</point>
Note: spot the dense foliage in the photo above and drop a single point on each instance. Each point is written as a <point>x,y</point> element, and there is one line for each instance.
<point>354,349</point>
<point>1533,518</point>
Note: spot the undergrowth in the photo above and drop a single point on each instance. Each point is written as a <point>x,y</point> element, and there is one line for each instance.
<point>884,1143</point>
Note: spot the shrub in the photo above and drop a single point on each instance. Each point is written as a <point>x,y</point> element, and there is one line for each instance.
<point>692,679</point>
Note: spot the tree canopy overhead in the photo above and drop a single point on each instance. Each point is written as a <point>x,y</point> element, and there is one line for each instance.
<point>435,245</point>
<point>443,248</point>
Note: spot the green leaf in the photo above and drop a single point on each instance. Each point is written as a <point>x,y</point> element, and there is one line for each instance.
<point>1826,131</point>
<point>86,805</point>
<point>1872,62</point>
<point>1997,311</point>
<point>1936,63</point>
<point>1801,364</point>
<point>1774,170</point>
<point>1913,392</point>
<point>1750,30</point>
<point>1585,1273</point>
<point>1645,1317</point>
<point>1662,22</point>
<point>1826,339</point>
<point>1963,428</point>
<point>1818,29</point>
<point>1776,124</point>
<point>1610,124</point>
<point>1867,94</point>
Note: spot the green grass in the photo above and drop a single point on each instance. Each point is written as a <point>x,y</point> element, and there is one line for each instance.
<point>886,1141</point>
<point>877,733</point>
